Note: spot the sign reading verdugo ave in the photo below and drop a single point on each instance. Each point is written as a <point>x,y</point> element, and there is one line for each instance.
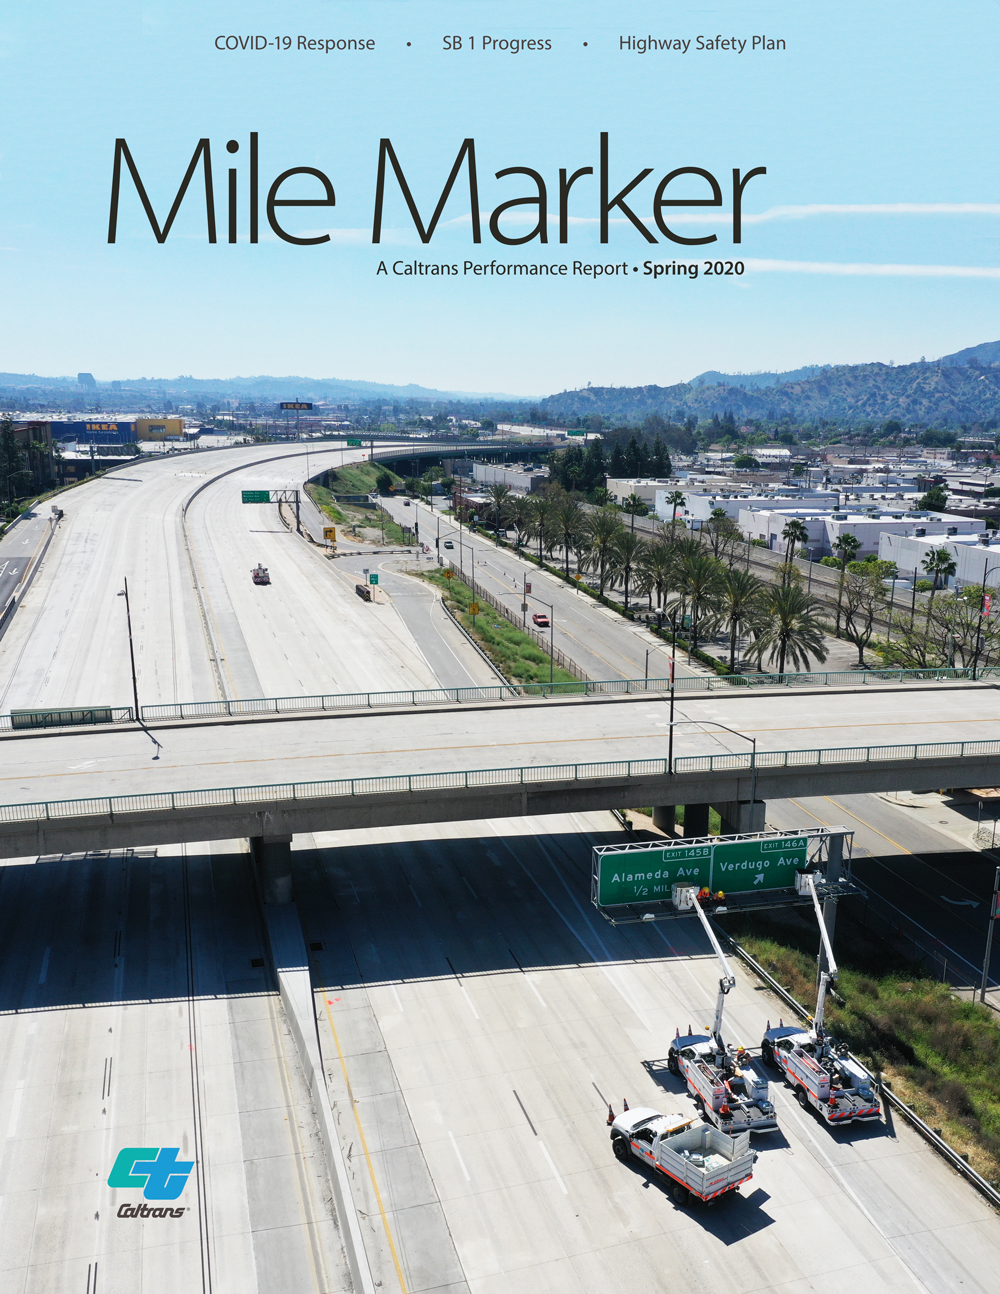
<point>627,875</point>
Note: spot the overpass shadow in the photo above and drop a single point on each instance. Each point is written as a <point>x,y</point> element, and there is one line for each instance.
<point>77,932</point>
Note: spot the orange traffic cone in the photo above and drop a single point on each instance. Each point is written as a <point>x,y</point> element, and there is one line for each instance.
<point>611,1115</point>
<point>624,1106</point>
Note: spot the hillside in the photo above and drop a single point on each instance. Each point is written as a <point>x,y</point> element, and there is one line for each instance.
<point>935,394</point>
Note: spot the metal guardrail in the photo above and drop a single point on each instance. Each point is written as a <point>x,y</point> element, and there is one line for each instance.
<point>741,761</point>
<point>318,703</point>
<point>469,779</point>
<point>938,1143</point>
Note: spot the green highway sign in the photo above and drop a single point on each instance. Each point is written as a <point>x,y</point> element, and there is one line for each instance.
<point>256,496</point>
<point>373,578</point>
<point>733,866</point>
<point>353,442</point>
<point>576,433</point>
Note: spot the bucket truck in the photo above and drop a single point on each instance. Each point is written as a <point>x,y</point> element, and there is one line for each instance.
<point>819,1070</point>
<point>723,1080</point>
<point>698,1161</point>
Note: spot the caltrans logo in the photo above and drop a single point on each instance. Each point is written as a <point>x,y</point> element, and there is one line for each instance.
<point>158,1171</point>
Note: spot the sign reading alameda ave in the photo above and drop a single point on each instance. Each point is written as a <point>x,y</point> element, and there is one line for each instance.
<point>637,875</point>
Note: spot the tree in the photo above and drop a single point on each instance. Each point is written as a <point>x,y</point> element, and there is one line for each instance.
<point>724,535</point>
<point>627,550</point>
<point>567,522</point>
<point>935,500</point>
<point>940,564</point>
<point>542,509</point>
<point>674,500</point>
<point>655,570</point>
<point>617,467</point>
<point>864,600</point>
<point>633,458</point>
<point>383,482</point>
<point>847,546</point>
<point>789,629</point>
<point>499,502</point>
<point>741,598</point>
<point>699,581</point>
<point>594,466</point>
<point>745,462</point>
<point>603,527</point>
<point>635,506</point>
<point>796,533</point>
<point>519,514</point>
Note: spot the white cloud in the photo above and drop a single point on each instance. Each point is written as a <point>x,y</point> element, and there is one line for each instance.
<point>859,268</point>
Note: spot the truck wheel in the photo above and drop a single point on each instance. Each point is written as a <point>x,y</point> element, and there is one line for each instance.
<point>621,1148</point>
<point>800,1096</point>
<point>680,1195</point>
<point>767,1054</point>
<point>672,1064</point>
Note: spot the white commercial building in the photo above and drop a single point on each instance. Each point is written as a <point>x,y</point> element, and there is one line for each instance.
<point>700,506</point>
<point>646,489</point>
<point>975,555</point>
<point>825,527</point>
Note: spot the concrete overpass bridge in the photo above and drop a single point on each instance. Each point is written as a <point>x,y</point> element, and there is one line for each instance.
<point>268,778</point>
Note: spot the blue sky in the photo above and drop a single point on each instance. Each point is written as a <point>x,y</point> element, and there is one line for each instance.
<point>873,236</point>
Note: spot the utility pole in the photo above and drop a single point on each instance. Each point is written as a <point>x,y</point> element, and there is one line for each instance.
<point>989,935</point>
<point>131,653</point>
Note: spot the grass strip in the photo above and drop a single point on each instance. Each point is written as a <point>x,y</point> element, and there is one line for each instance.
<point>940,1052</point>
<point>515,653</point>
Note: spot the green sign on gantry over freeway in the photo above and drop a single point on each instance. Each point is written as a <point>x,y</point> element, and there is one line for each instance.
<point>256,496</point>
<point>630,875</point>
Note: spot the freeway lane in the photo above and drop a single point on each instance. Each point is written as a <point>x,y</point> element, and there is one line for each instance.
<point>131,1014</point>
<point>121,761</point>
<point>485,1014</point>
<point>17,547</point>
<point>600,641</point>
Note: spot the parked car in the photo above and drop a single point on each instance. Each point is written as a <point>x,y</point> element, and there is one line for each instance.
<point>540,619</point>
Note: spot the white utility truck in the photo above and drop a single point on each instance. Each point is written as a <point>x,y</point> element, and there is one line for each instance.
<point>818,1069</point>
<point>727,1087</point>
<point>698,1160</point>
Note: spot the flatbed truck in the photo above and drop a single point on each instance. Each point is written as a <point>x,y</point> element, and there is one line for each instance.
<point>698,1161</point>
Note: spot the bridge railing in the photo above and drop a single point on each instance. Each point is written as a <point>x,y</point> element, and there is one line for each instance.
<point>469,779</point>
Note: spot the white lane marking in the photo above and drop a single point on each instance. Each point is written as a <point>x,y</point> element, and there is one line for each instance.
<point>396,996</point>
<point>555,1171</point>
<point>472,1005</point>
<point>15,1108</point>
<point>414,893</point>
<point>536,992</point>
<point>458,1155</point>
<point>43,974</point>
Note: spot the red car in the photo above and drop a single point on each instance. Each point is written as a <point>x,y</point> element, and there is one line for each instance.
<point>540,619</point>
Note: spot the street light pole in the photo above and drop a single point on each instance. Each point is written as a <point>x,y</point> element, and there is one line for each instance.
<point>131,652</point>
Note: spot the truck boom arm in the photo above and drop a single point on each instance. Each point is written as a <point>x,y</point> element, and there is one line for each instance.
<point>831,972</point>
<point>727,980</point>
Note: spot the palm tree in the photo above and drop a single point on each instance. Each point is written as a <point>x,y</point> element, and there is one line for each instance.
<point>626,553</point>
<point>796,533</point>
<point>499,497</point>
<point>789,628</point>
<point>699,581</point>
<point>675,499</point>
<point>568,523</point>
<point>603,527</point>
<point>636,506</point>
<point>847,546</point>
<point>655,570</point>
<point>741,599</point>
<point>519,514</point>
<point>542,509</point>
<point>939,563</point>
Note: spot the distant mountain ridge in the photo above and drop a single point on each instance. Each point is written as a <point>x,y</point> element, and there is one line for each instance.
<point>264,387</point>
<point>756,380</point>
<point>938,393</point>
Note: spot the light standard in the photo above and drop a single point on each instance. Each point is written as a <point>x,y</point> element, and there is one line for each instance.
<point>714,724</point>
<point>979,626</point>
<point>131,652</point>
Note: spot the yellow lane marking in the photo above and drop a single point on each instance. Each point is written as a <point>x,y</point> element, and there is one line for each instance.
<point>361,1135</point>
<point>493,745</point>
<point>857,818</point>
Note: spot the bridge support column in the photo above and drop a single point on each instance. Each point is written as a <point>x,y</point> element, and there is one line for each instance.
<point>741,815</point>
<point>663,818</point>
<point>272,856</point>
<point>696,820</point>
